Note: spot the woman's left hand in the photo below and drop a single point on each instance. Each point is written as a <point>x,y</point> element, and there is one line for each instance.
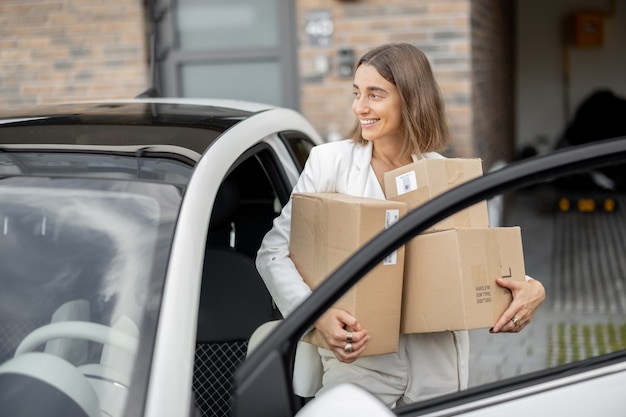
<point>527,297</point>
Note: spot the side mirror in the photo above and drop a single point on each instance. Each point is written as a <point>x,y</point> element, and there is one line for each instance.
<point>345,400</point>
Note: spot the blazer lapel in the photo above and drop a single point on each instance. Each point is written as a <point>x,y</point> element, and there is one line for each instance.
<point>359,170</point>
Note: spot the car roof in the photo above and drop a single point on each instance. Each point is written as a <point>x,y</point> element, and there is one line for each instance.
<point>79,123</point>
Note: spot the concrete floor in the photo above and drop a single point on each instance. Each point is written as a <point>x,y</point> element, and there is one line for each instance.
<point>580,259</point>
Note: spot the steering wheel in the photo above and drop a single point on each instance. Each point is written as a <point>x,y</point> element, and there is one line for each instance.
<point>78,330</point>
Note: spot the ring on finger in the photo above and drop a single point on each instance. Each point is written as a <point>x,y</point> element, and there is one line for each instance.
<point>515,321</point>
<point>349,336</point>
<point>348,348</point>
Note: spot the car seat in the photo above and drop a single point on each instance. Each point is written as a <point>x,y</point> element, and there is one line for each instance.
<point>233,303</point>
<point>307,368</point>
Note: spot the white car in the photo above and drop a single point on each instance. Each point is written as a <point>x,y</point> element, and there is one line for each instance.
<point>128,231</point>
<point>133,225</point>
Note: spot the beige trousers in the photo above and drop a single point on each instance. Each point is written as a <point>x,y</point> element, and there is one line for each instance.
<point>426,365</point>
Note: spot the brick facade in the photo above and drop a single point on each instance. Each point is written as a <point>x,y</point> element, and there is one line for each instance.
<point>439,28</point>
<point>59,50</point>
<point>493,116</point>
<point>469,45</point>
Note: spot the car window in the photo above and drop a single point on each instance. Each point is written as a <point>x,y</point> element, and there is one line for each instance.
<point>189,137</point>
<point>299,145</point>
<point>100,165</point>
<point>571,229</point>
<point>82,266</point>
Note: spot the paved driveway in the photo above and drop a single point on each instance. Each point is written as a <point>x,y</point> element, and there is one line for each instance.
<point>580,258</point>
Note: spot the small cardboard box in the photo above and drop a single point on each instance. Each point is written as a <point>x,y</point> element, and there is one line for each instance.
<point>327,228</point>
<point>450,278</point>
<point>425,179</point>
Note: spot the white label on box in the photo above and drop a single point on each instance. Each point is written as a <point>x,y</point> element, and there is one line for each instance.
<point>391,216</point>
<point>406,182</point>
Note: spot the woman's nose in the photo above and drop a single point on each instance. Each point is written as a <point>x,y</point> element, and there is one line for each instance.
<point>360,105</point>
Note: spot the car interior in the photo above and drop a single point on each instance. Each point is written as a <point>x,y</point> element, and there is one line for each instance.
<point>61,338</point>
<point>234,301</point>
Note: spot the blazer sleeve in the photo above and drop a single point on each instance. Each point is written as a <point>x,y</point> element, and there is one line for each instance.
<point>282,279</point>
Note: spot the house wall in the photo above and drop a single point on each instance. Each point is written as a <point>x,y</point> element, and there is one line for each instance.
<point>60,50</point>
<point>439,28</point>
<point>492,86</point>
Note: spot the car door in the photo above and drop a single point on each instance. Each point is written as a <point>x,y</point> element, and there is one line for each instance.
<point>574,374</point>
<point>233,298</point>
<point>252,141</point>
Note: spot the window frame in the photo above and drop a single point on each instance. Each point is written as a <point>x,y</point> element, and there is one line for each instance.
<point>169,58</point>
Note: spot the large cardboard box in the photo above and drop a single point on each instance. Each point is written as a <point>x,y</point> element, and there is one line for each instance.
<point>450,278</point>
<point>426,178</point>
<point>326,228</point>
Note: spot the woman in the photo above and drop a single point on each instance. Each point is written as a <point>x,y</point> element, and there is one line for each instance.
<point>400,117</point>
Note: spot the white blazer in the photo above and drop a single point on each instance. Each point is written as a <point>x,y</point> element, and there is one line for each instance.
<point>342,167</point>
<point>442,361</point>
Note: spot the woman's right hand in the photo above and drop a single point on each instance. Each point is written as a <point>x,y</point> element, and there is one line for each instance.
<point>343,334</point>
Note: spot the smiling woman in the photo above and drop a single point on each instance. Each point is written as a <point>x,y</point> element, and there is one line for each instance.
<point>399,119</point>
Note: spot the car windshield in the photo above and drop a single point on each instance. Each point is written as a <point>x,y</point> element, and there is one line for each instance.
<point>82,266</point>
<point>90,164</point>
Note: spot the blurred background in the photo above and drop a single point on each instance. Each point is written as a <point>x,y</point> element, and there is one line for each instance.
<point>519,78</point>
<point>513,72</point>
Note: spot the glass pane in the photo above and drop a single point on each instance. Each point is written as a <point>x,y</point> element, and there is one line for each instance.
<point>95,165</point>
<point>235,80</point>
<point>573,237</point>
<point>301,147</point>
<point>82,267</point>
<point>219,24</point>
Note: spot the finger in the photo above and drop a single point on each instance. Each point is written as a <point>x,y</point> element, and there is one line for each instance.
<point>349,351</point>
<point>503,321</point>
<point>514,325</point>
<point>352,336</point>
<point>339,339</point>
<point>515,313</point>
<point>509,284</point>
<point>357,345</point>
<point>515,329</point>
<point>349,321</point>
<point>349,356</point>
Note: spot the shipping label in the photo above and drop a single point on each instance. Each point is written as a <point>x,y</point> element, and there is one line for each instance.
<point>391,216</point>
<point>406,182</point>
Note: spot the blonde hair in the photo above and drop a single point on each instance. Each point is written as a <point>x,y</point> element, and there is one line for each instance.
<point>423,113</point>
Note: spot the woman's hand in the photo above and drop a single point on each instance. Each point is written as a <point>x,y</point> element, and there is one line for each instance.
<point>527,297</point>
<point>343,334</point>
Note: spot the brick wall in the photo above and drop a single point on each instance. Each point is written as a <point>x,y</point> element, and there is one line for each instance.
<point>59,50</point>
<point>440,28</point>
<point>492,82</point>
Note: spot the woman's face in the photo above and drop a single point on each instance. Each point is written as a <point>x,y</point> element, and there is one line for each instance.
<point>377,105</point>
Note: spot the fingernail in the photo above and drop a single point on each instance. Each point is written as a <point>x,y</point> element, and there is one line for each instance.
<point>491,330</point>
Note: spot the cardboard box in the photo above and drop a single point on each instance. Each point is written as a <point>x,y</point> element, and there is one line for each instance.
<point>327,228</point>
<point>450,278</point>
<point>425,179</point>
